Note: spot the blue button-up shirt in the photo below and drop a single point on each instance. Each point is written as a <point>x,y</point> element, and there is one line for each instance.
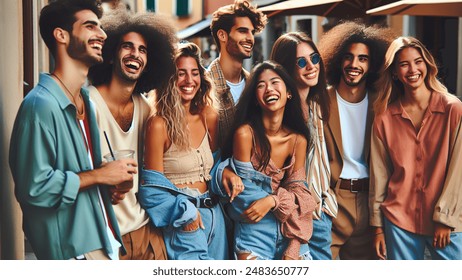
<point>47,151</point>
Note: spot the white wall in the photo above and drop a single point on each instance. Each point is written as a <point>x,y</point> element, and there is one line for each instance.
<point>11,95</point>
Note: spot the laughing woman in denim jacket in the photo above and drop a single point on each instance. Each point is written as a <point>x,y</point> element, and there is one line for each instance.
<point>273,215</point>
<point>180,139</point>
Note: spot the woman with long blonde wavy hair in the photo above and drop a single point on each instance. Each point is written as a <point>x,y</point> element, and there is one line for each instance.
<point>416,155</point>
<point>180,139</point>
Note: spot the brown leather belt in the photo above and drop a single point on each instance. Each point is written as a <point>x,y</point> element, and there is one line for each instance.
<point>355,185</point>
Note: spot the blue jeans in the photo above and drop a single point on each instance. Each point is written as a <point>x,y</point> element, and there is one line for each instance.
<point>263,240</point>
<point>169,208</point>
<point>321,239</point>
<point>405,245</point>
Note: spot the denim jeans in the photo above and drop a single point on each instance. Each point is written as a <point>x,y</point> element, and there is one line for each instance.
<point>262,240</point>
<point>202,244</point>
<point>321,239</point>
<point>405,245</point>
<point>169,208</point>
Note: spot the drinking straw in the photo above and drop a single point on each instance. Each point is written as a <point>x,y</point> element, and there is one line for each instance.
<point>109,145</point>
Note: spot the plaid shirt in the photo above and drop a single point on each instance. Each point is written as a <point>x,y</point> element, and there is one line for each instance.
<point>224,98</point>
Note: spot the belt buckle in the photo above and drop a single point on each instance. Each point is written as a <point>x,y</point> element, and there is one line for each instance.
<point>208,203</point>
<point>351,185</point>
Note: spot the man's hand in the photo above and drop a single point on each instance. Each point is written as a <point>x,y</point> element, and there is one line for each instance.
<point>116,196</point>
<point>118,172</point>
<point>114,173</point>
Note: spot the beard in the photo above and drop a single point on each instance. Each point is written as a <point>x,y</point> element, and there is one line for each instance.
<point>77,49</point>
<point>125,76</point>
<point>232,47</point>
<point>354,83</point>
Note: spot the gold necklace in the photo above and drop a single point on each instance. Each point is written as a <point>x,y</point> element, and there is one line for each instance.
<point>80,115</point>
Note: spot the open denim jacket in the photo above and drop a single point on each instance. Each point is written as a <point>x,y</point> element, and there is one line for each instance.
<point>263,240</point>
<point>169,208</point>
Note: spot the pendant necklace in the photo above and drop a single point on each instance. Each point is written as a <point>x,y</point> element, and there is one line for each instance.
<point>80,115</point>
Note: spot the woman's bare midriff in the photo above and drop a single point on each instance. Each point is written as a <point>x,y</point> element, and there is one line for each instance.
<point>200,186</point>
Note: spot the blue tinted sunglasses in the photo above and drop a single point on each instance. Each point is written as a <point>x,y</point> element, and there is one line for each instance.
<point>314,57</point>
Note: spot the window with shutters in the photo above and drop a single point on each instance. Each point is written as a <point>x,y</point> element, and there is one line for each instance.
<point>151,5</point>
<point>183,8</point>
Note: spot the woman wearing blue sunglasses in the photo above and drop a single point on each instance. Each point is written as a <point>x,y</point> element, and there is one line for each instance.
<point>298,54</point>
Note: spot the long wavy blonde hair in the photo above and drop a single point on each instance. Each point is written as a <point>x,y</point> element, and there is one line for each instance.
<point>169,105</point>
<point>391,89</point>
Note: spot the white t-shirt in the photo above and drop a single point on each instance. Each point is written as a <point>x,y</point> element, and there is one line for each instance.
<point>129,213</point>
<point>353,118</point>
<point>236,89</point>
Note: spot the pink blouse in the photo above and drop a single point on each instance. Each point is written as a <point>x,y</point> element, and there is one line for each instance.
<point>416,176</point>
<point>294,203</point>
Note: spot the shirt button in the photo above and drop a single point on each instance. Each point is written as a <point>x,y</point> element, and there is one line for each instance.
<point>198,151</point>
<point>202,165</point>
<point>201,175</point>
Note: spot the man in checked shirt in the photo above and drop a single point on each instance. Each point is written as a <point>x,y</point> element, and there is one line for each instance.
<point>233,28</point>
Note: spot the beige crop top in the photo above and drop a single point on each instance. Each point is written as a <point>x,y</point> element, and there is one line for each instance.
<point>189,166</point>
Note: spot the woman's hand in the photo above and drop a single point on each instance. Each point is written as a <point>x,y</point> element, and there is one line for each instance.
<point>442,235</point>
<point>258,209</point>
<point>379,243</point>
<point>195,225</point>
<point>231,183</point>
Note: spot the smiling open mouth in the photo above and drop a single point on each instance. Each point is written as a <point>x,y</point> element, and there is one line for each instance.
<point>187,89</point>
<point>96,44</point>
<point>247,47</point>
<point>132,64</point>
<point>271,99</point>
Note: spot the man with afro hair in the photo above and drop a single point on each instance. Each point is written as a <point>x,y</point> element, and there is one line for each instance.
<point>138,58</point>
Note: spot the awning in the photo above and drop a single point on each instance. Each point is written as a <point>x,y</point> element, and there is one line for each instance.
<point>198,29</point>
<point>346,9</point>
<point>450,8</point>
<point>315,7</point>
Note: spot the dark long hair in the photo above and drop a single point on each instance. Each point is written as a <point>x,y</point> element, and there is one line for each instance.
<point>248,111</point>
<point>284,52</point>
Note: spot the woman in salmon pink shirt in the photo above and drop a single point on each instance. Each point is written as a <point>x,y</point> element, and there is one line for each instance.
<point>416,156</point>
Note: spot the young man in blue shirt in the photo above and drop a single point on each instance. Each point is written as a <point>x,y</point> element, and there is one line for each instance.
<point>55,152</point>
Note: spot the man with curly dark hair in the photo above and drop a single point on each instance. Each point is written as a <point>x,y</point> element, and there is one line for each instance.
<point>138,57</point>
<point>353,54</point>
<point>233,28</point>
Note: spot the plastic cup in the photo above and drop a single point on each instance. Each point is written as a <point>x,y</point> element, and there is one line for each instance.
<point>121,154</point>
